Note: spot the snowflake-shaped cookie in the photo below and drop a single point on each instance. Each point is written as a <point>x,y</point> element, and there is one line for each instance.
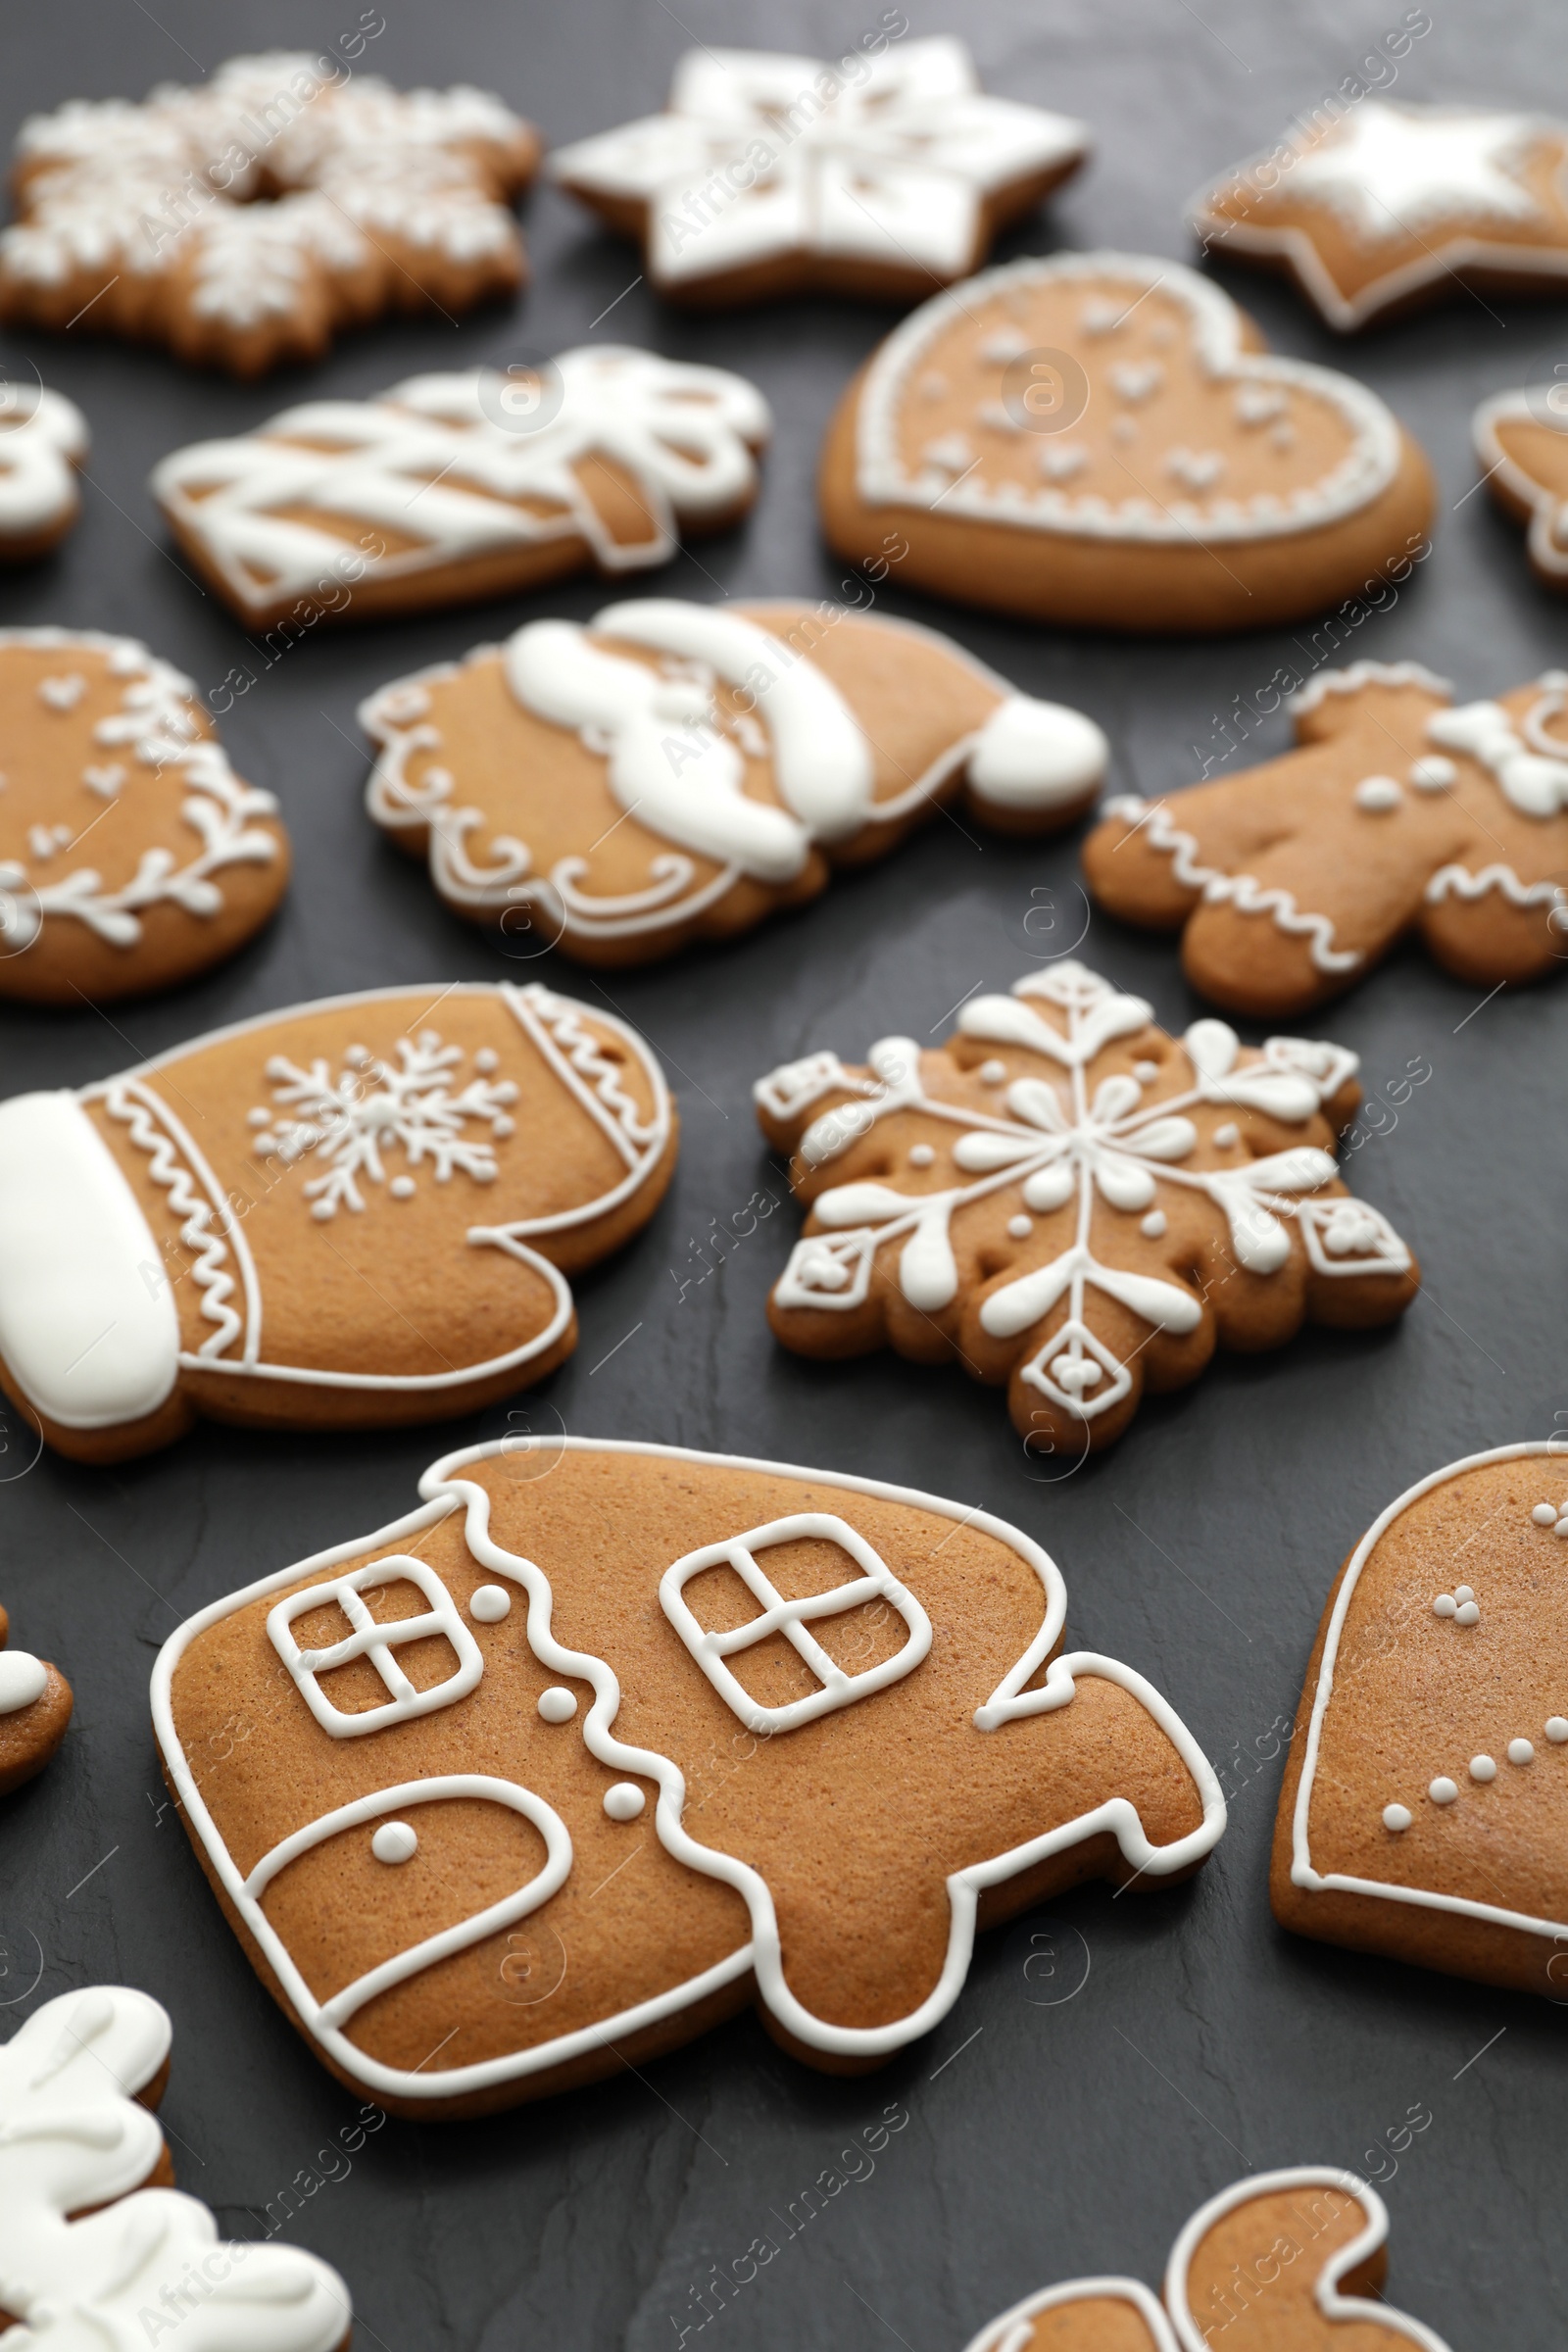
<point>1071,1201</point>
<point>1398,812</point>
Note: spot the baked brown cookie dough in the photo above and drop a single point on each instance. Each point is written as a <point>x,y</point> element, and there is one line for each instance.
<point>1520,440</point>
<point>43,446</point>
<point>35,1705</point>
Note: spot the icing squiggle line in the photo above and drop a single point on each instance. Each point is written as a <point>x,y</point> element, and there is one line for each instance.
<point>1457,881</point>
<point>583,1054</point>
<point>140,1113</point>
<point>1243,891</point>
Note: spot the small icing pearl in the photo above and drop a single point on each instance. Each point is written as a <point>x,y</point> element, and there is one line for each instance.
<point>1520,1751</point>
<point>395,1842</point>
<point>992,1073</point>
<point>1153,1225</point>
<point>489,1604</point>
<point>921,1156</point>
<point>1020,1227</point>
<point>1146,1072</point>
<point>1396,1817</point>
<point>1544,1514</point>
<point>1561,1528</point>
<point>1557,1729</point>
<point>1482,1768</point>
<point>1443,1791</point>
<point>1467,1613</point>
<point>1227,1135</point>
<point>1433,774</point>
<point>625,1801</point>
<point>403,1188</point>
<point>558,1705</point>
<point>1445,1605</point>
<point>487,1059</point>
<point>1463,1593</point>
<point>1378,794</point>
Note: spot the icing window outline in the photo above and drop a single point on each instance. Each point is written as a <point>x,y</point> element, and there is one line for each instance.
<point>792,1618</point>
<point>376,1641</point>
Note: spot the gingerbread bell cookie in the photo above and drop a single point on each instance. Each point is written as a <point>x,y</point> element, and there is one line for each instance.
<point>1426,1799</point>
<point>1520,440</point>
<point>131,855</point>
<point>609,1740</point>
<point>1398,812</point>
<point>43,445</point>
<point>35,1703</point>
<point>673,772</point>
<point>358,1212</point>
<point>96,2246</point>
<point>1074,1203</point>
<point>1105,441</point>
<point>245,222</point>
<point>453,487</point>
<point>880,175</point>
<point>1378,207</point>
<point>1292,2261</point>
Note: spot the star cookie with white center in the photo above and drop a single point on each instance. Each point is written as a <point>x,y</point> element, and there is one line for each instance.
<point>35,1705</point>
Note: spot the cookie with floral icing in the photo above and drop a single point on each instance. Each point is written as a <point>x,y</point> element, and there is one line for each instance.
<point>609,1740</point>
<point>454,487</point>
<point>131,855</point>
<point>1074,1203</point>
<point>96,2245</point>
<point>1397,812</point>
<point>1520,440</point>
<point>880,175</point>
<point>358,1212</point>
<point>35,1703</point>
<point>674,772</point>
<point>43,443</point>
<point>1381,208</point>
<point>1425,1802</point>
<point>1105,441</point>
<point>245,222</point>
<point>1295,2259</point>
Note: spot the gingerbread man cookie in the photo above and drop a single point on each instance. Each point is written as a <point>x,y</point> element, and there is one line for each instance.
<point>453,487</point>
<point>1423,1811</point>
<point>358,1212</point>
<point>96,2246</point>
<point>674,772</point>
<point>247,221</point>
<point>609,1740</point>
<point>1398,812</point>
<point>131,855</point>
<point>43,445</point>
<point>1105,441</point>
<point>876,176</point>
<point>1521,439</point>
<point>1074,1203</point>
<point>35,1703</point>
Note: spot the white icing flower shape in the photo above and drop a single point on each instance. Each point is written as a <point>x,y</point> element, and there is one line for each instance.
<point>769,173</point>
<point>1090,1137</point>
<point>43,442</point>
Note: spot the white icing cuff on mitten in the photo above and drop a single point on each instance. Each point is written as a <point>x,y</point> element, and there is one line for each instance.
<point>87,1323</point>
<point>1033,755</point>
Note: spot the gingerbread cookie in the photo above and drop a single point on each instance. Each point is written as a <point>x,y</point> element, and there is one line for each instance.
<point>1105,441</point>
<point>1296,2259</point>
<point>35,1705</point>
<point>244,222</point>
<point>1389,207</point>
<point>454,487</point>
<point>1422,1814</point>
<point>874,175</point>
<point>674,772</point>
<point>1072,1202</point>
<point>1521,439</point>
<point>1398,812</point>
<point>43,443</point>
<point>131,855</point>
<point>609,1740</point>
<point>357,1212</point>
<point>96,2246</point>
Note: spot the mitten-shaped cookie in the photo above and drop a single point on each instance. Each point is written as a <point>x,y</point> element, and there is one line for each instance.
<point>674,772</point>
<point>35,1705</point>
<point>1398,812</point>
<point>358,1212</point>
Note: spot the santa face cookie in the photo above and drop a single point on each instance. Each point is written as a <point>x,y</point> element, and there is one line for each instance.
<point>1391,206</point>
<point>35,1703</point>
<point>1423,1815</point>
<point>1398,812</point>
<point>1521,439</point>
<point>361,1211</point>
<point>879,176</point>
<point>244,222</point>
<point>454,487</point>
<point>1074,1203</point>
<point>674,772</point>
<point>43,442</point>
<point>97,2247</point>
<point>131,855</point>
<point>609,1740</point>
<point>1105,441</point>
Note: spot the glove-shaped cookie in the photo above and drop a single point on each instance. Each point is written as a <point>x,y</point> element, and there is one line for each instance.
<point>1072,1202</point>
<point>97,2247</point>
<point>35,1705</point>
<point>1423,1814</point>
<point>1284,2262</point>
<point>674,772</point>
<point>610,1739</point>
<point>361,1211</point>
<point>1398,812</point>
<point>1521,439</point>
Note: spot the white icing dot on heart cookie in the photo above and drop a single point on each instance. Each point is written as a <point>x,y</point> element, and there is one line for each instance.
<point>395,1842</point>
<point>1137,380</point>
<point>63,693</point>
<point>1443,1790</point>
<point>1396,1817</point>
<point>1483,1768</point>
<point>1379,795</point>
<point>1059,462</point>
<point>1468,1612</point>
<point>1146,1072</point>
<point>1560,1530</point>
<point>1557,1728</point>
<point>625,1801</point>
<point>1445,1605</point>
<point>1152,1226</point>
<point>1521,1752</point>
<point>1544,1514</point>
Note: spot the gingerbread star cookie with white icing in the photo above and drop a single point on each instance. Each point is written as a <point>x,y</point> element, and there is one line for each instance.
<point>878,175</point>
<point>1074,1203</point>
<point>245,222</point>
<point>1521,439</point>
<point>43,445</point>
<point>609,1740</point>
<point>131,855</point>
<point>1105,441</point>
<point>35,1703</point>
<point>674,772</point>
<point>448,488</point>
<point>1390,207</point>
<point>1398,812</point>
<point>1425,1801</point>
<point>96,2245</point>
<point>1292,2261</point>
<point>356,1213</point>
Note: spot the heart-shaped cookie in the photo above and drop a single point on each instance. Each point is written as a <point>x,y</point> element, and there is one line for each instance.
<point>1103,440</point>
<point>35,1705</point>
<point>1521,439</point>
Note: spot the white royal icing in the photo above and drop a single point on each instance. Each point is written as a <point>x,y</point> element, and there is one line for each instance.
<point>24,1680</point>
<point>43,439</point>
<point>1014,2330</point>
<point>1549,519</point>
